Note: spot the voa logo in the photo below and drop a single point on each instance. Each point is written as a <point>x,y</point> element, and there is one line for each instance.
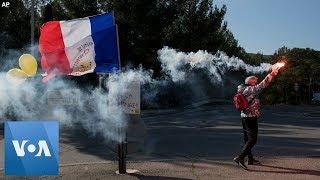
<point>42,148</point>
<point>31,148</point>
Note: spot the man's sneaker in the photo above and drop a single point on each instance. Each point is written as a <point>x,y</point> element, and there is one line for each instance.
<point>240,162</point>
<point>253,162</point>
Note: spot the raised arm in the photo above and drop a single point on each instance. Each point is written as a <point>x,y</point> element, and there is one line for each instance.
<point>265,82</point>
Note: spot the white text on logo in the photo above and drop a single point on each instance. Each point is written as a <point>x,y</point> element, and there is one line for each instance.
<point>42,144</point>
<point>5,4</point>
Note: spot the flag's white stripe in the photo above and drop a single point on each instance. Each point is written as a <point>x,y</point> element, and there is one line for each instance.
<point>75,30</point>
<point>79,45</point>
<point>81,56</point>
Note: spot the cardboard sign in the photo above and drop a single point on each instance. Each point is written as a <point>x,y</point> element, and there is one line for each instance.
<point>131,99</point>
<point>67,97</point>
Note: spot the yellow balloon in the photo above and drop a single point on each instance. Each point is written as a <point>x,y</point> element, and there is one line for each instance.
<point>16,76</point>
<point>28,64</point>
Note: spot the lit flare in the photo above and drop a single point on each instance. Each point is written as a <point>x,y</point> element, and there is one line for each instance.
<point>278,65</point>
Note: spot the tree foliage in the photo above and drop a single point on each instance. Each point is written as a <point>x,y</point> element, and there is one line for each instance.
<point>147,25</point>
<point>144,25</point>
<point>299,80</point>
<point>15,26</point>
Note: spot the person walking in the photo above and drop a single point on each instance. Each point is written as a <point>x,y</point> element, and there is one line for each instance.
<point>250,115</point>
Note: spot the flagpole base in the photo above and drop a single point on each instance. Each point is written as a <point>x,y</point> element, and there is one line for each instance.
<point>128,171</point>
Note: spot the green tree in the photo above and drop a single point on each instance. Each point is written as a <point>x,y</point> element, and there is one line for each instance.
<point>297,82</point>
<point>188,25</point>
<point>144,25</point>
<point>15,26</point>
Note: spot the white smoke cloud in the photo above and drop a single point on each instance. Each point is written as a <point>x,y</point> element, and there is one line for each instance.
<point>176,64</point>
<point>99,111</point>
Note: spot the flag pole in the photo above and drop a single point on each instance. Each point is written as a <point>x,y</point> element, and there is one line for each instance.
<point>122,146</point>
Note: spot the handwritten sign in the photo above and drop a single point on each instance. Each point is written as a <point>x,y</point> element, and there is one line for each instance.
<point>131,99</point>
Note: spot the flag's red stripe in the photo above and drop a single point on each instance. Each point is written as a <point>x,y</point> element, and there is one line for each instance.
<point>52,49</point>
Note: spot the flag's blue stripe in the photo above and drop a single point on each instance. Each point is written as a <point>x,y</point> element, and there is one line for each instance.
<point>104,35</point>
<point>101,22</point>
<point>106,50</point>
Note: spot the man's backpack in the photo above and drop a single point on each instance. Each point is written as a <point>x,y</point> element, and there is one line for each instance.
<point>240,102</point>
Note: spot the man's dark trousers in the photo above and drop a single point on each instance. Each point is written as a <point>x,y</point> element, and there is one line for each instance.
<point>250,132</point>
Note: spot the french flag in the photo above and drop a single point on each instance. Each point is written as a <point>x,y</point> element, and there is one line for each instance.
<point>79,46</point>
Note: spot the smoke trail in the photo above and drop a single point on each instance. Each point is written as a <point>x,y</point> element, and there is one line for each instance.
<point>177,64</point>
<point>99,111</point>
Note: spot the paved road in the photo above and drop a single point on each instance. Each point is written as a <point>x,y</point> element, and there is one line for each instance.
<point>214,132</point>
<point>199,143</point>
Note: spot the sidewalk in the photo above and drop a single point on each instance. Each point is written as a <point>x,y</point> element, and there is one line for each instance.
<point>271,168</point>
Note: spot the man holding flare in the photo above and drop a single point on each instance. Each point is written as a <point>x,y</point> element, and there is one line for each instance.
<point>251,113</point>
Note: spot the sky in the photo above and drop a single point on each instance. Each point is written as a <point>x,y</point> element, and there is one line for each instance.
<point>266,25</point>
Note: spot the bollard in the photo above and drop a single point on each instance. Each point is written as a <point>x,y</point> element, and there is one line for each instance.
<point>122,157</point>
